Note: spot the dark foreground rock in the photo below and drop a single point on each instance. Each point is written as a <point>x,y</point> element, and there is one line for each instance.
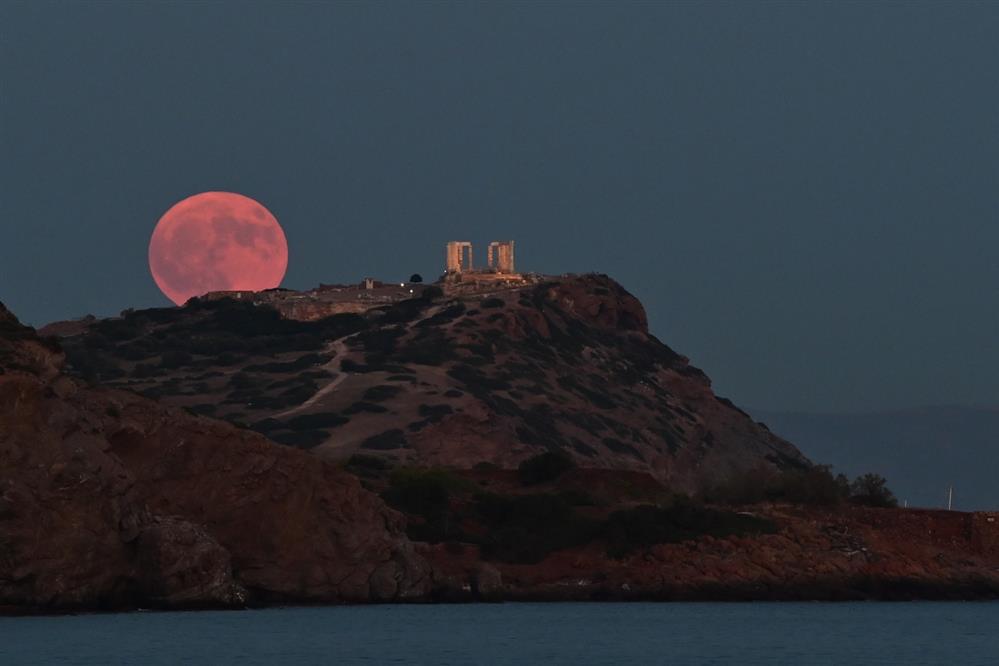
<point>109,500</point>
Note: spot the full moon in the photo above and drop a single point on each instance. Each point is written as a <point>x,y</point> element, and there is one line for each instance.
<point>217,241</point>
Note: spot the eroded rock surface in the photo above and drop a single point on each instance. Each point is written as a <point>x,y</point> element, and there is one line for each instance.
<point>110,500</point>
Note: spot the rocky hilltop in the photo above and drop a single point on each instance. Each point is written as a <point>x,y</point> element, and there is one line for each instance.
<point>453,376</point>
<point>527,441</point>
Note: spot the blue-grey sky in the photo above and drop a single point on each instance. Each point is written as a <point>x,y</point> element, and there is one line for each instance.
<point>804,195</point>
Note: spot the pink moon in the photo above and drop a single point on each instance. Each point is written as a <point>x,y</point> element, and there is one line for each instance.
<point>217,241</point>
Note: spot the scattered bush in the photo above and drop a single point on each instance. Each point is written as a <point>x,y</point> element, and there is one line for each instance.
<point>348,365</point>
<point>524,529</point>
<point>544,467</point>
<point>318,420</point>
<point>382,393</point>
<point>367,466</point>
<point>432,293</point>
<point>386,441</point>
<point>446,315</point>
<point>144,371</point>
<point>814,485</point>
<point>872,490</point>
<point>577,497</point>
<point>362,406</point>
<point>435,413</point>
<point>426,493</point>
<point>406,311</point>
<point>617,446</point>
<point>477,383</point>
<point>401,378</point>
<point>632,529</point>
<point>301,363</point>
<point>303,439</point>
<point>173,358</point>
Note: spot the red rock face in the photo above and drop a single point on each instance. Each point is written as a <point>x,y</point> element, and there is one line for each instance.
<point>297,528</point>
<point>109,500</point>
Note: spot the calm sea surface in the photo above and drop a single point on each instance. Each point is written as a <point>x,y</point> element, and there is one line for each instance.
<point>590,633</point>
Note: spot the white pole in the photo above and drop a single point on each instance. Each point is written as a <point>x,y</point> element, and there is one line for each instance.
<point>950,498</point>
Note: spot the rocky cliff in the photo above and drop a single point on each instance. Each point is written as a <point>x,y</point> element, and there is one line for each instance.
<point>110,500</point>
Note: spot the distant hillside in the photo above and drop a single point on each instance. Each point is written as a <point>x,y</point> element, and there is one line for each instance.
<point>456,374</point>
<point>920,451</point>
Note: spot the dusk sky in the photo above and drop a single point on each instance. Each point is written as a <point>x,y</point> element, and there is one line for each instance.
<point>805,196</point>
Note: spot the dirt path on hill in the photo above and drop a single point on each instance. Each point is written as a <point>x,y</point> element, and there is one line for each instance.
<point>339,349</point>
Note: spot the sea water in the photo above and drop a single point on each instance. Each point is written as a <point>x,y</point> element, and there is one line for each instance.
<point>514,633</point>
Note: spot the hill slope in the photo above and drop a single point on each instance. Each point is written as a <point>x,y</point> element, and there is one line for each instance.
<point>111,500</point>
<point>492,375</point>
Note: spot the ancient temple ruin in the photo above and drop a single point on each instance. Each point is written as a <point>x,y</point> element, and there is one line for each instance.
<point>499,257</point>
<point>456,252</point>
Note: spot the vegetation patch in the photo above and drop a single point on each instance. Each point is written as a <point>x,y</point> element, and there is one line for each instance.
<point>303,439</point>
<point>617,446</point>
<point>317,420</point>
<point>544,467</point>
<point>445,316</point>
<point>362,406</point>
<point>814,485</point>
<point>386,441</point>
<point>367,466</point>
<point>632,529</point>
<point>525,529</point>
<point>301,363</point>
<point>435,413</point>
<point>382,393</point>
<point>401,378</point>
<point>428,347</point>
<point>478,383</point>
<point>426,494</point>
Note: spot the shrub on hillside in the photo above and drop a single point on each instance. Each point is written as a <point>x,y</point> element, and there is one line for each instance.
<point>432,293</point>
<point>381,393</point>
<point>426,493</point>
<point>872,490</point>
<point>303,439</point>
<point>632,529</point>
<point>544,467</point>
<point>815,485</point>
<point>316,420</point>
<point>386,441</point>
<point>173,358</point>
<point>524,529</point>
<point>367,466</point>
